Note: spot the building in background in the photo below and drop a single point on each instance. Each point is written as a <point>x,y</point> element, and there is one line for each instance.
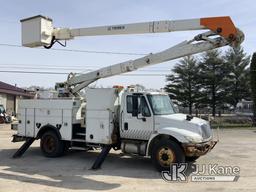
<point>244,107</point>
<point>10,96</point>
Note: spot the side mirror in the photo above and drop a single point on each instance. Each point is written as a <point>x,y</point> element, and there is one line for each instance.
<point>140,116</point>
<point>189,117</point>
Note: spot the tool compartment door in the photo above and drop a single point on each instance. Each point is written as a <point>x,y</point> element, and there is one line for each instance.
<point>22,122</point>
<point>48,116</point>
<point>99,126</point>
<point>30,122</point>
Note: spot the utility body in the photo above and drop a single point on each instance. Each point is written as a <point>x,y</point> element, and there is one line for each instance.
<point>136,122</point>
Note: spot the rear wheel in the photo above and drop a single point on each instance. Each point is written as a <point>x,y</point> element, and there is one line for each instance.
<point>51,145</point>
<point>166,152</point>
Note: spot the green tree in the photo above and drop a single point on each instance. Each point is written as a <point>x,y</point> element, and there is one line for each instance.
<point>182,84</point>
<point>238,86</point>
<point>253,85</point>
<point>213,79</point>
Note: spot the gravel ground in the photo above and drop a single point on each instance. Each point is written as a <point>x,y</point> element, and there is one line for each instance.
<point>33,172</point>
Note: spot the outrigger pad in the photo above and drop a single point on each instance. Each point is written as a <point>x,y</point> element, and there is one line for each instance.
<point>101,157</point>
<point>23,148</point>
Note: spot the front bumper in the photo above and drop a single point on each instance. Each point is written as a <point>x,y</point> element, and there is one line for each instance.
<point>198,149</point>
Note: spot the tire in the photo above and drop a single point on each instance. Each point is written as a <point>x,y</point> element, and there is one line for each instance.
<point>192,158</point>
<point>166,152</point>
<point>51,145</point>
<point>66,147</point>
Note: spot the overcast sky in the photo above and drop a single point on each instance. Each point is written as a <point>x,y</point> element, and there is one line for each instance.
<point>93,13</point>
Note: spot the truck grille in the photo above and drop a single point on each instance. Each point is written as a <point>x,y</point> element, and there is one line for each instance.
<point>206,131</point>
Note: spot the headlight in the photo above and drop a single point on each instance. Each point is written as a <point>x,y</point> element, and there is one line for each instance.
<point>194,139</point>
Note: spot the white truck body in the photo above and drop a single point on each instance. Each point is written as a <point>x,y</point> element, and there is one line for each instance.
<point>107,109</point>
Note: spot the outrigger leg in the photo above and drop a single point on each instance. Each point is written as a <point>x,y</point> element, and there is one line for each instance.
<point>101,157</point>
<point>23,148</point>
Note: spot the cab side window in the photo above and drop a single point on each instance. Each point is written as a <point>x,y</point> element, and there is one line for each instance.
<point>141,105</point>
<point>129,105</point>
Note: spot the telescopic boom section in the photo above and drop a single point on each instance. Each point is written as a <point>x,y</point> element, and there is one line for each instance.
<point>221,32</point>
<point>221,25</point>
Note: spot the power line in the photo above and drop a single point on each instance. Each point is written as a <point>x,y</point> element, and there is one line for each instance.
<point>49,65</point>
<point>99,52</point>
<point>64,73</point>
<point>67,69</point>
<point>7,65</point>
<point>78,50</point>
<point>43,68</point>
<point>36,72</point>
<point>8,21</point>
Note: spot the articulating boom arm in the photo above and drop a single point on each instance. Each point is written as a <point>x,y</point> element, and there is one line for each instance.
<point>183,49</point>
<point>221,32</point>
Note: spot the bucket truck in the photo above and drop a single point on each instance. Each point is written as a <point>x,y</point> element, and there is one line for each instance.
<point>135,122</point>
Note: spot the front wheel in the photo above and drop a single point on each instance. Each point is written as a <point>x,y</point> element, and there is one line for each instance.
<point>165,153</point>
<point>51,145</point>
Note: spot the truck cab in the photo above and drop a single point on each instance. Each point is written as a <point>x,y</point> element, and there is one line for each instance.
<point>149,119</point>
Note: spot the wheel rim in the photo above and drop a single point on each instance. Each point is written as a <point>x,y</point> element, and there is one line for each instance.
<point>165,156</point>
<point>49,144</point>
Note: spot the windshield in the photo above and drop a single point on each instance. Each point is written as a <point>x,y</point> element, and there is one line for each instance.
<point>161,104</point>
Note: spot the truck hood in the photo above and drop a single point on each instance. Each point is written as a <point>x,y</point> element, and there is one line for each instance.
<point>178,121</point>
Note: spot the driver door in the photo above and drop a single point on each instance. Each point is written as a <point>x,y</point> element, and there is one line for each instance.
<point>137,118</point>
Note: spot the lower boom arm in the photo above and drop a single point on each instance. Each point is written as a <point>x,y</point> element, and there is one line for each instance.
<point>77,82</point>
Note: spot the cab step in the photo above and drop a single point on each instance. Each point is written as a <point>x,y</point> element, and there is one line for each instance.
<point>78,140</point>
<point>79,148</point>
